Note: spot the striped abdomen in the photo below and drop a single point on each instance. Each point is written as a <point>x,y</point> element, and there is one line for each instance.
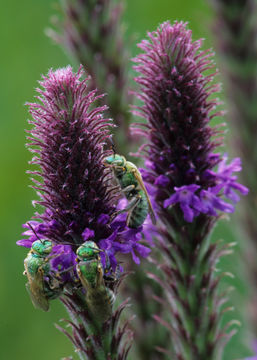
<point>140,212</point>
<point>100,302</point>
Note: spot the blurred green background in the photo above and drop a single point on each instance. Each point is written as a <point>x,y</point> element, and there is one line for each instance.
<point>26,333</point>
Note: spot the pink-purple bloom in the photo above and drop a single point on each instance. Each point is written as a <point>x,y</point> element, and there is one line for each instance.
<point>68,139</point>
<point>189,182</point>
<point>180,160</point>
<point>189,203</point>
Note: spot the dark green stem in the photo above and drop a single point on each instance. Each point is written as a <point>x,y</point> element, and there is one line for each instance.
<point>191,289</point>
<point>92,338</point>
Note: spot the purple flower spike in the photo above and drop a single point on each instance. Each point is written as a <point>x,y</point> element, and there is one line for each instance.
<point>189,183</point>
<point>180,160</point>
<point>68,140</point>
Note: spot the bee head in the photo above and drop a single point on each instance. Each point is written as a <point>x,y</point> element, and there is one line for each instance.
<point>88,250</point>
<point>42,247</point>
<point>114,159</point>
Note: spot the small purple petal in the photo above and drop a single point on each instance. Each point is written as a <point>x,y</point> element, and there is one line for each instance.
<point>188,212</point>
<point>135,258</point>
<point>162,180</point>
<point>142,250</point>
<point>211,201</point>
<point>173,199</point>
<point>88,234</point>
<point>103,219</point>
<point>25,242</point>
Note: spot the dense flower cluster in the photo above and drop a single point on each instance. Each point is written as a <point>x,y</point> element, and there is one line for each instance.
<point>189,182</point>
<point>68,139</point>
<point>180,157</point>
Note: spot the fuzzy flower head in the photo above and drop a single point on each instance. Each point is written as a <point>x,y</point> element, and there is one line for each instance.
<point>182,164</point>
<point>68,139</point>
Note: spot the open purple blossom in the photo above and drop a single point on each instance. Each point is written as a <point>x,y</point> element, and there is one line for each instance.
<point>189,203</point>
<point>68,138</point>
<point>189,183</point>
<point>180,161</point>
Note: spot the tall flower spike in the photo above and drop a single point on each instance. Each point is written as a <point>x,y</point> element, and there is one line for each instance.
<point>68,139</point>
<point>189,183</point>
<point>92,32</point>
<point>235,28</point>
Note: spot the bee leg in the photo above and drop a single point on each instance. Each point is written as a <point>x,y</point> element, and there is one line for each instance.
<point>128,188</point>
<point>54,283</point>
<point>116,166</point>
<point>64,271</point>
<point>128,208</point>
<point>99,277</point>
<point>53,256</point>
<point>131,210</point>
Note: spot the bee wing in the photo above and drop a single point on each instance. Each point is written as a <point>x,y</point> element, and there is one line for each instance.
<point>142,185</point>
<point>36,292</point>
<point>84,282</point>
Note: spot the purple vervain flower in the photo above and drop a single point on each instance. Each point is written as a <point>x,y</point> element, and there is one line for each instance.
<point>190,204</point>
<point>77,199</point>
<point>68,139</point>
<point>189,182</point>
<point>93,33</point>
<point>176,106</point>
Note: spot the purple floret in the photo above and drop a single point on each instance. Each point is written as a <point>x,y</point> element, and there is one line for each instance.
<point>189,203</point>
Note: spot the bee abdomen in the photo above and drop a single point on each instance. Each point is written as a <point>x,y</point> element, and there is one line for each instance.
<point>100,302</point>
<point>140,212</point>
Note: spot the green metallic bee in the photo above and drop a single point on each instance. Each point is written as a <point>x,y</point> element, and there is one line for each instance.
<point>99,298</point>
<point>132,185</point>
<point>37,267</point>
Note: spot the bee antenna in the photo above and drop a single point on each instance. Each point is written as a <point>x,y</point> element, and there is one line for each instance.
<point>68,243</point>
<point>34,232</point>
<point>98,250</point>
<point>112,145</point>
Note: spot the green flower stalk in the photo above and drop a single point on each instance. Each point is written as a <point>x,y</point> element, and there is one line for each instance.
<point>190,186</point>
<point>92,32</point>
<point>236,28</point>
